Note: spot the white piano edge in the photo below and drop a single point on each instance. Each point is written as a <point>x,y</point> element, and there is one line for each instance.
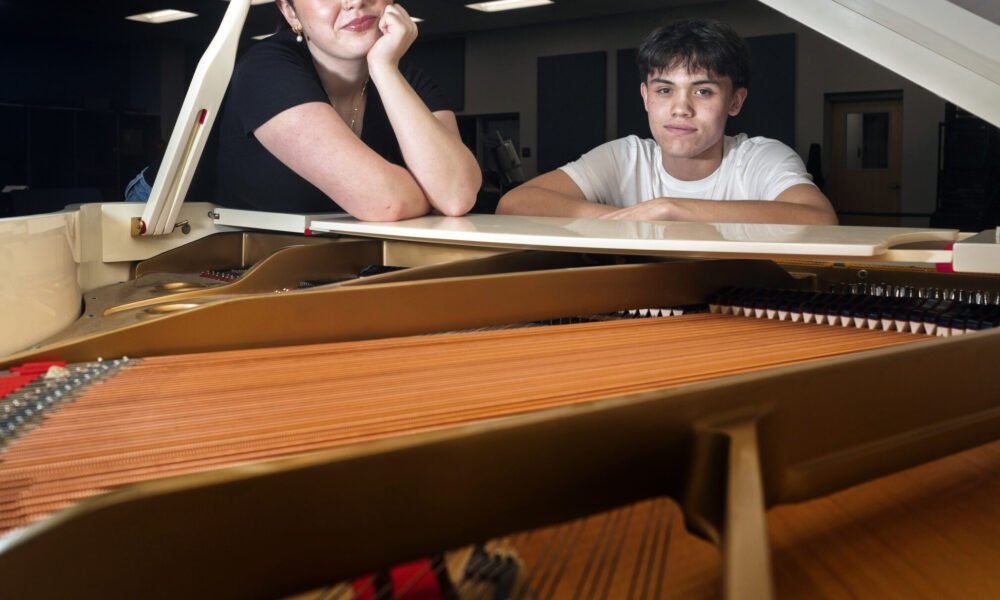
<point>270,221</point>
<point>979,253</point>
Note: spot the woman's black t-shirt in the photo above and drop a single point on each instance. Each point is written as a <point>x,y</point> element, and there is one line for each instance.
<point>274,75</point>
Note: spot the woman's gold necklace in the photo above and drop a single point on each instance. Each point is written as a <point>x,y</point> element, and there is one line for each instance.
<point>357,106</point>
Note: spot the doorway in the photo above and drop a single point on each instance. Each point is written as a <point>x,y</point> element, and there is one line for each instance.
<point>866,140</point>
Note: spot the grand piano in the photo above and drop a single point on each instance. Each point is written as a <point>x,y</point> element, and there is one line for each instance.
<point>861,466</point>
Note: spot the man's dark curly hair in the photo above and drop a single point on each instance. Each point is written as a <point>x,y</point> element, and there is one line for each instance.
<point>696,44</point>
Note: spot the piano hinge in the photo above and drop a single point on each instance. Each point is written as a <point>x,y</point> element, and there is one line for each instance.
<point>138,227</point>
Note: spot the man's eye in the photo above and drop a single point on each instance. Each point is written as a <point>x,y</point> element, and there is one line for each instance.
<point>703,92</point>
<point>663,91</point>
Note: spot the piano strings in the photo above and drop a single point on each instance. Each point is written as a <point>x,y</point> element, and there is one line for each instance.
<point>165,416</point>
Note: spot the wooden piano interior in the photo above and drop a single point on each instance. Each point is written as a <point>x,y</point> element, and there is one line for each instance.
<point>263,420</point>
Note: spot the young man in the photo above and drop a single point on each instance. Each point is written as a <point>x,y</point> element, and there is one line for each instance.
<point>695,75</point>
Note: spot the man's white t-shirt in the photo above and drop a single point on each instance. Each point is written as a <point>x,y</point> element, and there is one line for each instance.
<point>628,171</point>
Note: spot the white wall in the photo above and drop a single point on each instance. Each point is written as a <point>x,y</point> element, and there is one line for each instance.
<point>501,77</point>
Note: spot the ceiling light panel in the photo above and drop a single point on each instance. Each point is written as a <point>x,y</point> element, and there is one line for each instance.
<point>498,5</point>
<point>162,16</point>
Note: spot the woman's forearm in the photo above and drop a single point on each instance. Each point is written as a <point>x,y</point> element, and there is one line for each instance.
<point>444,168</point>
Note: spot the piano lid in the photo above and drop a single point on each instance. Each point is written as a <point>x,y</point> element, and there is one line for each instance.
<point>888,244</point>
<point>950,47</point>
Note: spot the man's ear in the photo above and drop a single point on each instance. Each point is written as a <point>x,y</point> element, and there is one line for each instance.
<point>736,105</point>
<point>643,91</point>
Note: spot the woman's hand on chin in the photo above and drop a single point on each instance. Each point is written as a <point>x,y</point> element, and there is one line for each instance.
<point>398,32</point>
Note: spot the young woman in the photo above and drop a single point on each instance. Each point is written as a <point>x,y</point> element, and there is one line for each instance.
<point>320,116</point>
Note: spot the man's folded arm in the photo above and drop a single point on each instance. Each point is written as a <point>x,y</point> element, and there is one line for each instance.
<point>553,194</point>
<point>800,204</point>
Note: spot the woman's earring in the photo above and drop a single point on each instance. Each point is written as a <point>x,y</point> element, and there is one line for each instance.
<point>298,34</point>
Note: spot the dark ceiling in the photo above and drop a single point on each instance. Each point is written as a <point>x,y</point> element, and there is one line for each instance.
<point>91,21</point>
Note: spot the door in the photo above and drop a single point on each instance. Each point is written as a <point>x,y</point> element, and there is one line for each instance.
<point>866,162</point>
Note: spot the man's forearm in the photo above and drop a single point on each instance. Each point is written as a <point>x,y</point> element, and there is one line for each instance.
<point>540,202</point>
<point>748,211</point>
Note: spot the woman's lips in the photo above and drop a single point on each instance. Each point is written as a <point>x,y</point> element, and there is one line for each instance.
<point>361,23</point>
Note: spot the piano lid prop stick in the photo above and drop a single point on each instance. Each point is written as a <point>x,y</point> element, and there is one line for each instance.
<point>194,122</point>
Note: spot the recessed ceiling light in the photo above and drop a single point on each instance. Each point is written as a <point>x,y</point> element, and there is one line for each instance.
<point>162,16</point>
<point>416,19</point>
<point>258,1</point>
<point>498,5</point>
<point>262,37</point>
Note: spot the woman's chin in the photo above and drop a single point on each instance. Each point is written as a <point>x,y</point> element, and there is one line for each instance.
<point>353,52</point>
